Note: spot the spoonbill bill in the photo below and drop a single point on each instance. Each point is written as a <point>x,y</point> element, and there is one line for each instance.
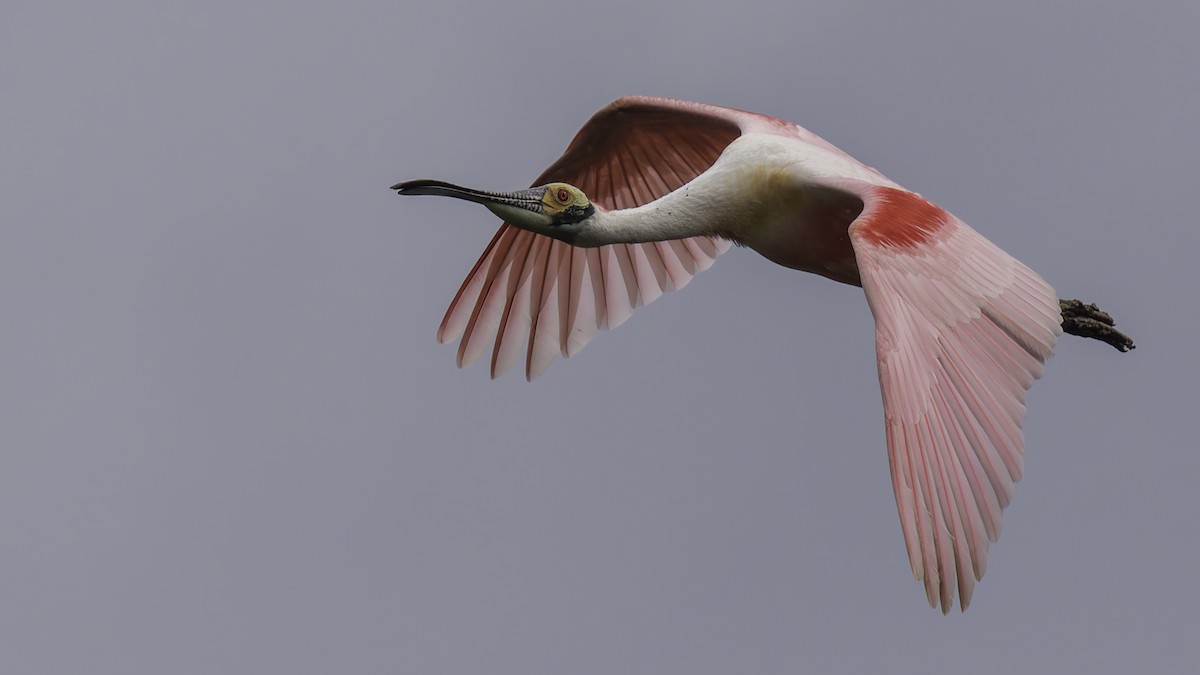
<point>651,191</point>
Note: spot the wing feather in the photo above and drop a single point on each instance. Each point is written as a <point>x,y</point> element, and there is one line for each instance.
<point>544,297</point>
<point>962,331</point>
<point>518,312</point>
<point>585,301</point>
<point>620,289</point>
<point>677,272</point>
<point>545,336</point>
<point>463,305</point>
<point>490,304</point>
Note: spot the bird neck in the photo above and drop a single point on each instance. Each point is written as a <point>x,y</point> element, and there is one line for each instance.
<point>686,212</point>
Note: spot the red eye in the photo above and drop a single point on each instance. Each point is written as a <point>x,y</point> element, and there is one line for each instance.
<point>563,196</point>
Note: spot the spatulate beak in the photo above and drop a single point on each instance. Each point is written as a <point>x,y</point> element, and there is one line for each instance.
<point>530,199</point>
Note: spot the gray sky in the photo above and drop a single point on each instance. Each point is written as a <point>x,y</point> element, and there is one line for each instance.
<point>230,443</point>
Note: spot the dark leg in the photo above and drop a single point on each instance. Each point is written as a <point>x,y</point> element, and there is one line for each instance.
<point>1090,322</point>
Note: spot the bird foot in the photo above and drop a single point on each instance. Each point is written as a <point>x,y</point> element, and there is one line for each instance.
<point>1090,321</point>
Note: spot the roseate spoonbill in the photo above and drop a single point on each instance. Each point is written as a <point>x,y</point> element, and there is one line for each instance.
<point>651,191</point>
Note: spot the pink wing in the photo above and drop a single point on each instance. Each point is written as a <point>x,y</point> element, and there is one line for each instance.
<point>962,331</point>
<point>529,293</point>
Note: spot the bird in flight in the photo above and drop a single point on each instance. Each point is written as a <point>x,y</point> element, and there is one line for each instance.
<point>651,191</point>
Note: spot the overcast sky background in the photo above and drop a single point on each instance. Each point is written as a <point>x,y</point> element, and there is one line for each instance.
<point>230,444</point>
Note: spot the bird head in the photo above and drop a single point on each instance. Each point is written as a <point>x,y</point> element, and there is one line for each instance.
<point>558,210</point>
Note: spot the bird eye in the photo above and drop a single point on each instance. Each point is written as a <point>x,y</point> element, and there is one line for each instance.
<point>563,195</point>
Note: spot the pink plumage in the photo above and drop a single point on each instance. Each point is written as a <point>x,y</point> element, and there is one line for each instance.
<point>962,328</point>
<point>962,331</point>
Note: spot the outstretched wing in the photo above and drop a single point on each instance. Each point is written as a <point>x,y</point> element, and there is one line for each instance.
<point>533,294</point>
<point>961,332</point>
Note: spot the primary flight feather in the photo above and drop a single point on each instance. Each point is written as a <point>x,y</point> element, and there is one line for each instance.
<point>651,191</point>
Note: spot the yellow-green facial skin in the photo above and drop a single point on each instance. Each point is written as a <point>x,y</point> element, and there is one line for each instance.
<point>560,196</point>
